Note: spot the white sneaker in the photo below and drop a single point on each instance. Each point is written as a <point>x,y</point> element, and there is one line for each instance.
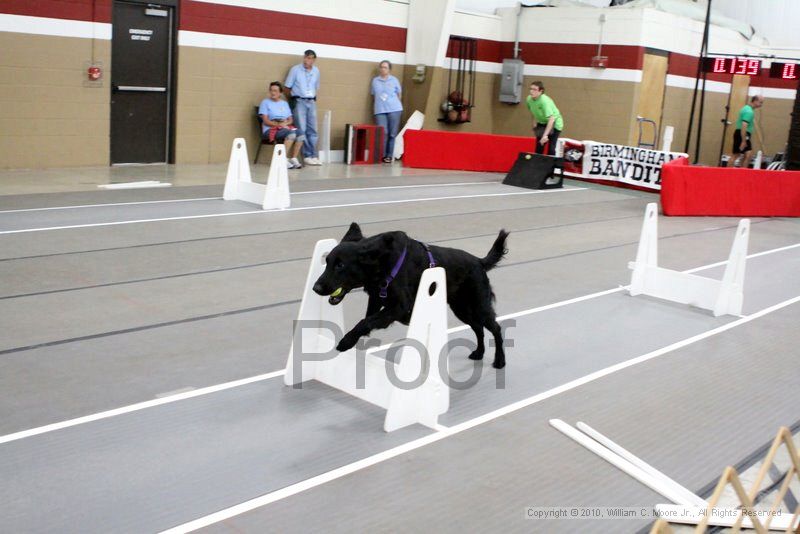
<point>294,163</point>
<point>313,161</point>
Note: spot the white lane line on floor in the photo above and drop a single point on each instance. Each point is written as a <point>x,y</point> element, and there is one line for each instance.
<point>135,185</point>
<point>245,381</point>
<point>220,198</point>
<point>393,187</point>
<point>263,212</point>
<point>438,435</point>
<point>137,407</point>
<point>111,204</point>
<point>749,256</point>
<point>403,201</point>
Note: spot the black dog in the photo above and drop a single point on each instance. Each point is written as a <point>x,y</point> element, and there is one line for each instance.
<point>389,267</point>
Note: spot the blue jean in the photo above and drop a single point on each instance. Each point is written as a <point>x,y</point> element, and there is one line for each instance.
<point>305,115</point>
<point>390,122</point>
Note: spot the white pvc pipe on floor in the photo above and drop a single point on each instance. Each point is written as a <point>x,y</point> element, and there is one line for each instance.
<point>616,460</point>
<point>688,496</point>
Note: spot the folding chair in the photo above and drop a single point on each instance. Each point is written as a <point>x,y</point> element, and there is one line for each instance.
<point>641,121</point>
<point>262,139</point>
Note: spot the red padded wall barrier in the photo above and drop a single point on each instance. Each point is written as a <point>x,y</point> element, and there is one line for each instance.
<point>725,191</point>
<point>431,149</point>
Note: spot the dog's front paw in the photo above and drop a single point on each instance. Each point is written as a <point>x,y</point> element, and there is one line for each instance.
<point>348,342</point>
<point>499,363</point>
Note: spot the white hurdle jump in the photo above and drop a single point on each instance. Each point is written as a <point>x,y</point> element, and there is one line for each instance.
<point>240,186</point>
<point>367,376</point>
<point>722,297</point>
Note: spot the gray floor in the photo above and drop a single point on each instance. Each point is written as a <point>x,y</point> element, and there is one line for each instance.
<point>54,218</point>
<point>101,317</point>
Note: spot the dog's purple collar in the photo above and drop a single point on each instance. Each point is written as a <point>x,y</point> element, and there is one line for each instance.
<point>396,269</point>
<point>431,261</point>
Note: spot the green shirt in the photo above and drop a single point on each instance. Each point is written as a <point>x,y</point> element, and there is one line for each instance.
<point>543,108</point>
<point>746,115</point>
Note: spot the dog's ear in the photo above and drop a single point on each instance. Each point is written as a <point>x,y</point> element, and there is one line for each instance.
<point>353,233</point>
<point>372,249</point>
<point>378,246</point>
<point>370,252</point>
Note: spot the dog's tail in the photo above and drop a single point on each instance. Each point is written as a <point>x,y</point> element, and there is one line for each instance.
<point>497,251</point>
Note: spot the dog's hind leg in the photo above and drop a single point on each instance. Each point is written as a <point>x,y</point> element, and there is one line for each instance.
<point>463,314</point>
<point>499,351</point>
<point>477,354</point>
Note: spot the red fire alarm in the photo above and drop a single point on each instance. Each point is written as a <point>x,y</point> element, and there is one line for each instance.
<point>600,62</point>
<point>94,72</point>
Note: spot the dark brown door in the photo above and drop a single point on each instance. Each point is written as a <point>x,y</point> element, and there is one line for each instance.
<point>141,57</point>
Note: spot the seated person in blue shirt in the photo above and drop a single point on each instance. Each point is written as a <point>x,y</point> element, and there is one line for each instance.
<point>388,108</point>
<point>277,124</point>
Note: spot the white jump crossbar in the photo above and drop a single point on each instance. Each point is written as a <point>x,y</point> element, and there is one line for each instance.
<point>721,296</point>
<point>687,496</point>
<point>656,483</point>
<point>367,376</point>
<point>688,508</point>
<point>240,186</point>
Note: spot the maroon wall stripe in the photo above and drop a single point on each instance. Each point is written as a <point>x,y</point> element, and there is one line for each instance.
<point>763,80</point>
<point>619,57</point>
<point>580,55</point>
<point>683,65</point>
<point>232,20</point>
<point>567,55</point>
<point>249,22</point>
<point>59,9</point>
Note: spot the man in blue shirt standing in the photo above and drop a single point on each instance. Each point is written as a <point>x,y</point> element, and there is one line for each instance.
<point>302,85</point>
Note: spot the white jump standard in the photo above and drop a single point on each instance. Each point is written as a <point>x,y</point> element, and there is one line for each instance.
<point>416,393</point>
<point>240,186</point>
<point>722,297</point>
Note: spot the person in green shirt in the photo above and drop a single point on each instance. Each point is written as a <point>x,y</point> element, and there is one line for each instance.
<point>547,120</point>
<point>742,148</point>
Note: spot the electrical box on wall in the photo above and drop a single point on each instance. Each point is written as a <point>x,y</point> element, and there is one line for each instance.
<point>419,74</point>
<point>511,81</point>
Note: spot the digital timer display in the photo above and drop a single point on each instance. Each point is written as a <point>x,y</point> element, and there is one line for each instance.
<point>732,65</point>
<point>784,71</point>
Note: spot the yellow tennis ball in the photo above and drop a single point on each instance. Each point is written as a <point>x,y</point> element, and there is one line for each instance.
<point>337,292</point>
